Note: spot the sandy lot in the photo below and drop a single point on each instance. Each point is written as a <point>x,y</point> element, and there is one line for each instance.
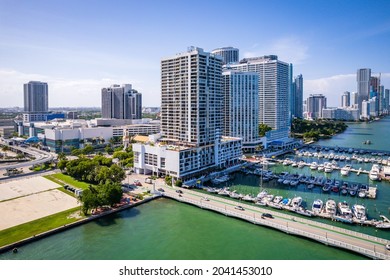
<point>34,206</point>
<point>27,186</point>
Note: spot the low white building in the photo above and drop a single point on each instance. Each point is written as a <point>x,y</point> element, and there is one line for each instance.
<point>185,162</point>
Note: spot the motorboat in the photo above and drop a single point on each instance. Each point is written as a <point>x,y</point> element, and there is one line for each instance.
<point>313,165</point>
<point>374,172</point>
<point>326,187</point>
<point>317,206</point>
<point>278,199</point>
<point>261,195</point>
<point>321,167</point>
<point>328,167</point>
<point>248,197</point>
<point>224,192</point>
<point>345,170</point>
<point>362,193</point>
<point>296,202</point>
<point>359,211</point>
<point>235,195</point>
<point>285,201</point>
<point>301,164</point>
<point>294,182</point>
<point>330,207</point>
<point>344,209</point>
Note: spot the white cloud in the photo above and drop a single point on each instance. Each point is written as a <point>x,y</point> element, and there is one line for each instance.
<point>62,92</point>
<point>289,49</point>
<point>334,86</point>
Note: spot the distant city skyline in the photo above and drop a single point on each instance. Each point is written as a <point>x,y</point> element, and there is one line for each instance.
<point>77,48</point>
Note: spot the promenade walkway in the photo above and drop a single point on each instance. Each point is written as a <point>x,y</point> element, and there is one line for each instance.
<point>364,244</point>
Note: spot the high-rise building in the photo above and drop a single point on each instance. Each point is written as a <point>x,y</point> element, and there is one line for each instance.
<point>354,99</point>
<point>345,99</point>
<point>363,79</point>
<point>229,54</point>
<point>240,107</point>
<point>36,97</point>
<point>365,113</point>
<point>274,91</point>
<point>191,120</point>
<point>191,97</point>
<point>35,101</point>
<point>315,103</point>
<point>297,97</point>
<point>387,100</point>
<point>121,102</point>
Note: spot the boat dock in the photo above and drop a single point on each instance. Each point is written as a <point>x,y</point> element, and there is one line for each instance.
<point>367,245</point>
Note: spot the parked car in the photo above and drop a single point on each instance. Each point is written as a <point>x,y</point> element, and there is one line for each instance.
<point>238,207</point>
<point>388,247</point>
<point>161,190</point>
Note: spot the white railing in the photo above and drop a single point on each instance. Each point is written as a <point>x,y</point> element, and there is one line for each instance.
<point>291,229</point>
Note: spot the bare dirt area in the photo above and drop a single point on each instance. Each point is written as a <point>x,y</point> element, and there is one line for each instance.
<point>25,186</point>
<point>34,206</point>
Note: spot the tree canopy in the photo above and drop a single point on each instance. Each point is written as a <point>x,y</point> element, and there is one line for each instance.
<point>263,129</point>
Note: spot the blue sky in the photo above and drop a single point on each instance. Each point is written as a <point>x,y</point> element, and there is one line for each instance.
<point>78,47</point>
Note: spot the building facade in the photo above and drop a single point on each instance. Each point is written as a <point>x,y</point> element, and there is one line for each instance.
<point>274,92</point>
<point>121,102</point>
<point>344,114</point>
<point>36,97</point>
<point>345,99</point>
<point>315,103</point>
<point>229,54</point>
<point>240,107</point>
<point>297,97</point>
<point>191,120</point>
<point>363,78</point>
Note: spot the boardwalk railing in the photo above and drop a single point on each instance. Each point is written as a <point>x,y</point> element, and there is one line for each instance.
<point>372,253</point>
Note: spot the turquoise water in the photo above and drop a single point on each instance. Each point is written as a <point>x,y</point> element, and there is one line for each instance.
<point>166,229</point>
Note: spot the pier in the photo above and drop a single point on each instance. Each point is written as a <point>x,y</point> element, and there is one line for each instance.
<point>367,245</point>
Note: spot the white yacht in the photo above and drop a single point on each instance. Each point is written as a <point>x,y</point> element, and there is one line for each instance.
<point>345,170</point>
<point>344,209</point>
<point>328,167</point>
<point>374,172</point>
<point>313,165</point>
<point>301,164</point>
<point>296,202</point>
<point>330,207</point>
<point>359,211</point>
<point>321,167</point>
<point>317,206</point>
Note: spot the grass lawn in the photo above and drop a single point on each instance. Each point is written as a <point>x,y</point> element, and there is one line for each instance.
<point>20,232</point>
<point>62,179</point>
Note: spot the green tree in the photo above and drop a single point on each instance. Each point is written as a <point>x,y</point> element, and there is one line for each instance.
<point>62,164</point>
<point>110,194</point>
<point>178,183</point>
<point>168,180</point>
<point>263,129</point>
<point>88,149</point>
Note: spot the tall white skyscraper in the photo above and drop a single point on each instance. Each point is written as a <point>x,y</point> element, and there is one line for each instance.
<point>363,79</point>
<point>191,142</point>
<point>121,102</point>
<point>36,97</point>
<point>191,97</point>
<point>229,54</point>
<point>241,106</point>
<point>274,91</point>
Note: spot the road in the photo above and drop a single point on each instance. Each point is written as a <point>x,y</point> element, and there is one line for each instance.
<point>370,246</point>
<point>40,157</point>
